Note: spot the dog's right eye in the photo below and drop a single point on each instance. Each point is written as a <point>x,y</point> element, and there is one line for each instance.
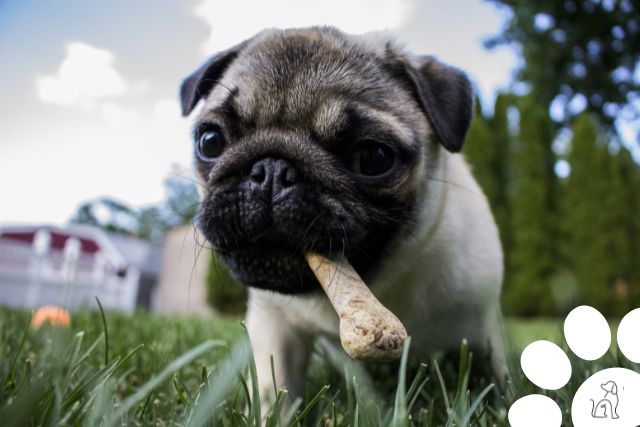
<point>210,144</point>
<point>372,158</point>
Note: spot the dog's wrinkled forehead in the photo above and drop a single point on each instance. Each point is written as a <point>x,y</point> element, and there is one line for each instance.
<point>295,78</point>
<point>290,78</point>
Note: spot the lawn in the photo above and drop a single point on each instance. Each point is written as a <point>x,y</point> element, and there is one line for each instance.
<point>145,369</point>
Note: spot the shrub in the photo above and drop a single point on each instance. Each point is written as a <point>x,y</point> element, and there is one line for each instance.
<point>224,294</point>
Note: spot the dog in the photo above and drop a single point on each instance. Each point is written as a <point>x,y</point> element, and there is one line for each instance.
<point>608,405</point>
<point>313,139</point>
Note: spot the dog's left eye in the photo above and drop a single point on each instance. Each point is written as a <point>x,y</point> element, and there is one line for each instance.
<point>372,158</point>
<point>210,144</point>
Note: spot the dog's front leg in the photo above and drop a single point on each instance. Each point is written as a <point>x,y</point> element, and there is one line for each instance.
<point>493,337</point>
<point>272,335</point>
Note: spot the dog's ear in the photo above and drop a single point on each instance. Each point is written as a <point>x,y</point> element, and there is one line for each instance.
<point>200,83</point>
<point>610,387</point>
<point>445,95</point>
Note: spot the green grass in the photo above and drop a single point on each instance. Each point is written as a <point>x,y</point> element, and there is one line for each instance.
<point>521,332</point>
<point>164,371</point>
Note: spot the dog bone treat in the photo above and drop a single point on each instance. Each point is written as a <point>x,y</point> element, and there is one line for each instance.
<point>368,330</point>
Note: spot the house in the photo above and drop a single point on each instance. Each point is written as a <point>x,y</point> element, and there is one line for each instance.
<point>70,266</point>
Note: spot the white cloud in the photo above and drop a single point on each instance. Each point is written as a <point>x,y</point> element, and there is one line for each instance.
<point>118,116</point>
<point>85,75</point>
<point>117,144</point>
<point>167,111</point>
<point>454,32</point>
<point>233,21</point>
<point>80,157</point>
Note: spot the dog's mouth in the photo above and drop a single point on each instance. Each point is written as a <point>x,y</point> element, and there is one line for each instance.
<point>272,260</point>
<point>275,260</point>
<point>270,237</point>
<point>271,268</point>
<point>271,255</point>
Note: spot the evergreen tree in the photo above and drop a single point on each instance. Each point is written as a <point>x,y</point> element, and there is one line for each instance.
<point>582,199</point>
<point>533,255</point>
<point>502,140</point>
<point>478,151</point>
<point>576,47</point>
<point>618,243</point>
<point>630,179</point>
<point>487,151</point>
<point>598,221</point>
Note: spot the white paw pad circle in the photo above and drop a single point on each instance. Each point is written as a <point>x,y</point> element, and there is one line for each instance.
<point>535,410</point>
<point>546,365</point>
<point>610,397</point>
<point>628,335</point>
<point>587,333</point>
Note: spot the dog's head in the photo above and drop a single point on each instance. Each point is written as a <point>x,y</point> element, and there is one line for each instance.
<point>609,387</point>
<point>314,139</point>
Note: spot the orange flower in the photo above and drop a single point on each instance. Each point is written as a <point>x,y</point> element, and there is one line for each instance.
<point>51,314</point>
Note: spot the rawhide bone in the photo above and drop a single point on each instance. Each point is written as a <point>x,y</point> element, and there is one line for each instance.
<point>368,330</point>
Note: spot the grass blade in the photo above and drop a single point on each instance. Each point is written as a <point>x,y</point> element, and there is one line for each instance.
<point>220,386</point>
<point>400,407</point>
<point>475,404</point>
<point>443,388</point>
<point>20,411</point>
<point>12,366</point>
<point>273,375</point>
<point>310,405</point>
<point>106,332</point>
<point>255,413</point>
<point>178,363</point>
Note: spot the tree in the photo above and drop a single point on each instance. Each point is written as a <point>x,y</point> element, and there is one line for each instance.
<point>182,200</point>
<point>501,137</point>
<point>597,216</point>
<point>631,182</point>
<point>619,241</point>
<point>621,214</point>
<point>534,215</point>
<point>488,152</point>
<point>577,47</point>
<point>149,222</point>
<point>478,151</point>
<point>585,194</point>
<point>109,214</point>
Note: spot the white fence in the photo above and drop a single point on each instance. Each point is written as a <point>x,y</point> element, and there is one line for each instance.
<point>32,277</point>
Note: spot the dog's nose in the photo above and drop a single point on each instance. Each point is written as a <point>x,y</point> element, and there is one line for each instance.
<point>273,176</point>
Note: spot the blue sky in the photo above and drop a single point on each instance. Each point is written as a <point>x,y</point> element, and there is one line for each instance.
<point>89,104</point>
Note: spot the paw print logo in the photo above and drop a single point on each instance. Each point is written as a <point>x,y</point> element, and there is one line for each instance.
<point>610,397</point>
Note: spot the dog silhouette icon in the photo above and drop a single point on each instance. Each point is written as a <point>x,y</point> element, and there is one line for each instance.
<point>607,407</point>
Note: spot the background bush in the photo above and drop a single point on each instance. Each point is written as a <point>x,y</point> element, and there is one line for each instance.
<point>224,294</point>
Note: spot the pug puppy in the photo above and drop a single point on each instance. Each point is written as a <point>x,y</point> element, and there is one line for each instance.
<point>312,139</point>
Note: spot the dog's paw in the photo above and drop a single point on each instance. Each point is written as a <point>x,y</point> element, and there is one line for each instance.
<point>610,397</point>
